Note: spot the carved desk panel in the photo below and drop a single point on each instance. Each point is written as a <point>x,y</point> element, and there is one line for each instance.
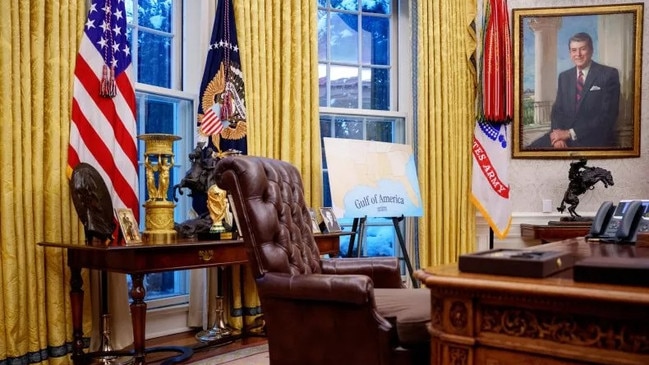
<point>501,320</point>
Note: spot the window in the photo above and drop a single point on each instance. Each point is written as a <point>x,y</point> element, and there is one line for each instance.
<point>157,53</point>
<point>155,33</point>
<point>358,44</point>
<point>354,47</point>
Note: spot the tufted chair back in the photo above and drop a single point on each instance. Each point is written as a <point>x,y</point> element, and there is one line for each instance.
<point>275,215</point>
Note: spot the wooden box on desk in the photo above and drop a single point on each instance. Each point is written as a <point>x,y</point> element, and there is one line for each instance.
<point>515,262</point>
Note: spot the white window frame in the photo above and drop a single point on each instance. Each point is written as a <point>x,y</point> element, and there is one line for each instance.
<point>176,42</point>
<point>401,96</point>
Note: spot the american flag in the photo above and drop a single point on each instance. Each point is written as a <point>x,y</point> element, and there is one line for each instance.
<point>102,129</point>
<point>211,123</point>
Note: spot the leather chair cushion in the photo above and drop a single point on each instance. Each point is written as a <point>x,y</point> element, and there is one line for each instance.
<point>411,308</point>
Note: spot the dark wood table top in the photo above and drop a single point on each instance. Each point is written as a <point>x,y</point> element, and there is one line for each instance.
<point>179,255</point>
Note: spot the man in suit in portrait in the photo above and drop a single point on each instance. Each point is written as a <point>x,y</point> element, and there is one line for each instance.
<point>586,108</point>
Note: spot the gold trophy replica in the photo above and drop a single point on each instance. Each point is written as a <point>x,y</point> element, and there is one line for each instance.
<point>218,206</point>
<point>159,212</point>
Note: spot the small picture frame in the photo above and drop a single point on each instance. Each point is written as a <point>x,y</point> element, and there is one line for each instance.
<point>233,209</point>
<point>329,219</point>
<point>128,226</point>
<point>315,228</point>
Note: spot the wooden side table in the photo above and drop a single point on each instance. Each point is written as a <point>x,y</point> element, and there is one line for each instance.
<point>138,260</point>
<point>554,231</point>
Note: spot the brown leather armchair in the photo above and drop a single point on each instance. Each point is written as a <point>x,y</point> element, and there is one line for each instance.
<point>336,311</point>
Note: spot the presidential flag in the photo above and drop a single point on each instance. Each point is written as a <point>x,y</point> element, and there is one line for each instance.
<point>222,122</point>
<point>102,128</point>
<point>491,146</point>
<point>222,109</point>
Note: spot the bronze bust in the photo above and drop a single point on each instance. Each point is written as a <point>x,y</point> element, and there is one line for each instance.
<point>93,204</point>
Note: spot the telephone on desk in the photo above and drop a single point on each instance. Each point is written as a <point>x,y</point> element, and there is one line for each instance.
<point>620,223</point>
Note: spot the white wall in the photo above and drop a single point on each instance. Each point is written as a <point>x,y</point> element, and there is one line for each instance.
<point>532,180</point>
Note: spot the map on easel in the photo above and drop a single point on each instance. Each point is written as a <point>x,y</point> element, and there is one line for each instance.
<point>372,179</point>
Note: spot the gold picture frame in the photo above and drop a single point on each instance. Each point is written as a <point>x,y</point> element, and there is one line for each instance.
<point>542,43</point>
<point>128,226</point>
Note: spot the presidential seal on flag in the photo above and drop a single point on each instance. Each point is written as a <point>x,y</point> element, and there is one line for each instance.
<point>222,110</point>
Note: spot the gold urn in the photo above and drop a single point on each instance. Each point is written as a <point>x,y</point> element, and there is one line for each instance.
<point>158,210</point>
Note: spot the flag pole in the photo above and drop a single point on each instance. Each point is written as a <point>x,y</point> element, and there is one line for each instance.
<point>104,95</point>
<point>491,238</point>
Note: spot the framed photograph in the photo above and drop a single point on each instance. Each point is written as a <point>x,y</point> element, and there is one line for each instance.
<point>315,228</point>
<point>234,214</point>
<point>577,81</point>
<point>128,226</point>
<point>330,220</point>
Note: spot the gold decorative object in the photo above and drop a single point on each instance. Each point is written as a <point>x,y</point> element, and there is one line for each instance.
<point>159,211</point>
<point>217,204</point>
<point>205,255</point>
<point>105,346</point>
<point>220,330</point>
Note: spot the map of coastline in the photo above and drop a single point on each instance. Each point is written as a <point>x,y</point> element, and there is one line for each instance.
<point>373,179</point>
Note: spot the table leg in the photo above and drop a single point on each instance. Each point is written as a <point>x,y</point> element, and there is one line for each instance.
<point>76,302</point>
<point>138,316</point>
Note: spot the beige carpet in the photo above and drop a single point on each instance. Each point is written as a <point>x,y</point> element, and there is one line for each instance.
<point>256,355</point>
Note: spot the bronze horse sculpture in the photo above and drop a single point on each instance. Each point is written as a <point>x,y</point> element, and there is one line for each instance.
<point>582,178</point>
<point>198,179</point>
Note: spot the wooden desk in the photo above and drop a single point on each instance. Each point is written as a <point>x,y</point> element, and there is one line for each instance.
<point>142,259</point>
<point>500,320</point>
<point>642,240</point>
<point>554,231</point>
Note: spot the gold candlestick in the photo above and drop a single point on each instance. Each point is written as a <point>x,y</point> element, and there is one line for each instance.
<point>220,330</point>
<point>159,211</point>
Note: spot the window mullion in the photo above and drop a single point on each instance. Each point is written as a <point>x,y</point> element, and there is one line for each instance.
<point>359,40</point>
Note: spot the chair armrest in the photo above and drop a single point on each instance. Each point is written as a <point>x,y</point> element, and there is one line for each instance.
<point>321,319</point>
<point>352,289</point>
<point>384,271</point>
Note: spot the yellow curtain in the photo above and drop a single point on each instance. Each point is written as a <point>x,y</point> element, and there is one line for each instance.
<point>278,42</point>
<point>38,43</point>
<point>278,46</point>
<point>446,119</point>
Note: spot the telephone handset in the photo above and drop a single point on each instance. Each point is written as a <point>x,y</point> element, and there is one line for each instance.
<point>600,222</point>
<point>643,224</point>
<point>627,229</point>
<point>620,223</point>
